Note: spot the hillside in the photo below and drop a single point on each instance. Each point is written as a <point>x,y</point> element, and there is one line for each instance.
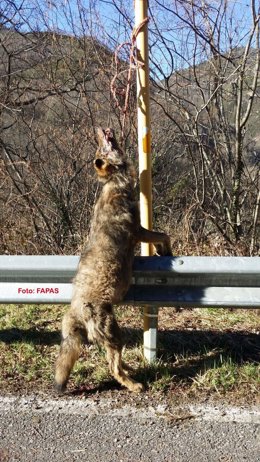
<point>55,89</point>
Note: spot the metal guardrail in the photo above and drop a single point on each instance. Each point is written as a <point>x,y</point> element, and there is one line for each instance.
<point>232,282</point>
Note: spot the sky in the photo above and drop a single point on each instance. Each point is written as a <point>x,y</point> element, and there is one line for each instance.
<point>102,19</point>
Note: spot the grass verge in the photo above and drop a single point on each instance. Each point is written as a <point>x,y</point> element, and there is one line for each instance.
<point>201,353</point>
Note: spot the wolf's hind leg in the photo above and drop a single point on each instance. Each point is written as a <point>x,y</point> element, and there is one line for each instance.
<point>106,332</point>
<point>116,369</point>
<point>69,350</point>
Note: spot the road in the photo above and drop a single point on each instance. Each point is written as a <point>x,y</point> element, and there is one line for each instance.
<point>34,429</point>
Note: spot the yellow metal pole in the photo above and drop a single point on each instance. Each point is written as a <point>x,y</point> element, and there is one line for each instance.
<point>144,149</point>
<point>143,119</point>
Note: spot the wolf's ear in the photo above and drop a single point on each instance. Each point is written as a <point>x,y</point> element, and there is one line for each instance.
<point>110,137</point>
<point>101,138</point>
<point>107,140</point>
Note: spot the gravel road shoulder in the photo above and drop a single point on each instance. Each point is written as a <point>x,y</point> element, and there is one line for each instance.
<point>38,429</point>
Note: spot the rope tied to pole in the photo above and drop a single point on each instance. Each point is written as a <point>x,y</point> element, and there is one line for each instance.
<point>120,94</point>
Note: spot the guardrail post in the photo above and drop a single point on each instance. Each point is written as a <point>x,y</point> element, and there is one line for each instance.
<point>150,332</point>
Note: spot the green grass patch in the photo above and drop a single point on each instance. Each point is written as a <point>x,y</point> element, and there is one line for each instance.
<point>200,352</point>
<point>234,317</point>
<point>226,376</point>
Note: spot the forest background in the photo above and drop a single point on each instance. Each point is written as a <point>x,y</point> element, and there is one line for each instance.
<point>64,70</point>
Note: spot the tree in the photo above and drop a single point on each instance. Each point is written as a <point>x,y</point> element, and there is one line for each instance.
<point>51,98</point>
<point>210,105</point>
<point>58,85</point>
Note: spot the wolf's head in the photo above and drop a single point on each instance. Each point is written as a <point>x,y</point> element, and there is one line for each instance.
<point>109,159</point>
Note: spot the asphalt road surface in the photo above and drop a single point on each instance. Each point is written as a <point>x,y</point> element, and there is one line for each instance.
<point>34,429</point>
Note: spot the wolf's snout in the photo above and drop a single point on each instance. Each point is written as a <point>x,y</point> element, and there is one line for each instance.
<point>99,163</point>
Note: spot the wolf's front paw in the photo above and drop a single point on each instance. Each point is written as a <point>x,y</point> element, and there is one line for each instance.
<point>163,250</point>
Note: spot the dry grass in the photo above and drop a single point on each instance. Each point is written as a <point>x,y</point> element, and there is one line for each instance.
<point>201,353</point>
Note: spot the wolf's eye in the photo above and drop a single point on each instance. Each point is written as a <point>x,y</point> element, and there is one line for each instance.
<point>99,163</point>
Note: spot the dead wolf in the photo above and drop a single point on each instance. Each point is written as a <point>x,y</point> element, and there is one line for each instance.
<point>105,268</point>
